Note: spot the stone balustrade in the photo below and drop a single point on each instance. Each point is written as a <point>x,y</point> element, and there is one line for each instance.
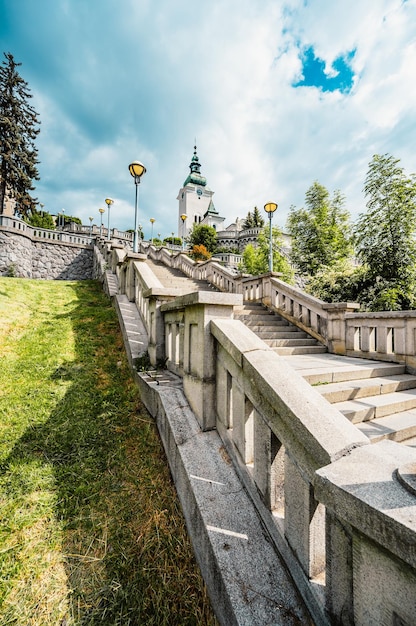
<point>30,252</point>
<point>387,335</point>
<point>324,321</point>
<point>15,224</point>
<point>382,336</point>
<point>340,511</point>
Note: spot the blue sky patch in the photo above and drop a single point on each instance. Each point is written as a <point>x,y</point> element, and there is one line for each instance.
<point>313,72</point>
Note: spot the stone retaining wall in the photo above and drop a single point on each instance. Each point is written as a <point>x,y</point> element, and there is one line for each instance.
<point>24,257</point>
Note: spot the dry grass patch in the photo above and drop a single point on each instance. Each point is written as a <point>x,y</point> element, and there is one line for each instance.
<point>91,531</point>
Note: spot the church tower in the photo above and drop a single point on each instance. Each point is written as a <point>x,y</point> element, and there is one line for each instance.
<point>195,201</point>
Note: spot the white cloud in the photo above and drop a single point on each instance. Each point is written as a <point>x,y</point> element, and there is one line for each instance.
<point>135,80</point>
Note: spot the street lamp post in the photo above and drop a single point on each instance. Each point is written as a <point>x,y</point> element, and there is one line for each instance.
<point>137,170</point>
<point>102,211</point>
<point>63,219</point>
<point>152,221</point>
<point>109,202</point>
<point>270,208</point>
<point>183,218</point>
<point>90,218</point>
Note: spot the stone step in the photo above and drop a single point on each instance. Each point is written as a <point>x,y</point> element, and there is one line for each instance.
<point>265,319</point>
<point>287,351</point>
<point>374,407</point>
<point>399,427</point>
<point>287,333</point>
<point>174,278</point>
<point>351,390</point>
<point>248,306</point>
<point>263,327</point>
<point>260,314</point>
<point>330,368</point>
<point>285,338</point>
<point>276,343</point>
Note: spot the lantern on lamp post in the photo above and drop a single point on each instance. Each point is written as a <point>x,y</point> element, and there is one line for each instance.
<point>101,211</point>
<point>109,202</point>
<point>137,170</point>
<point>270,208</point>
<point>183,218</point>
<point>152,221</point>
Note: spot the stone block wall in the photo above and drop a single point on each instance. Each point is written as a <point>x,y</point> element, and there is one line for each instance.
<point>23,257</point>
<point>15,255</point>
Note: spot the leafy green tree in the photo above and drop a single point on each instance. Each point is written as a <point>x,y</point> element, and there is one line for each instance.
<point>256,258</point>
<point>227,250</point>
<point>385,237</point>
<point>18,131</point>
<point>41,219</point>
<point>203,235</point>
<point>385,234</point>
<point>70,218</point>
<point>174,241</point>
<point>385,244</point>
<point>321,232</point>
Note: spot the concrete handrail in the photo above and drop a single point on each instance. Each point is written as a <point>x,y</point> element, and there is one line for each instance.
<point>313,476</point>
<point>387,335</point>
<point>35,233</point>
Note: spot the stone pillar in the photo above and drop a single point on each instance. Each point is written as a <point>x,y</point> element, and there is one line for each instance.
<point>304,520</point>
<point>335,331</point>
<point>128,282</point>
<point>199,359</point>
<point>370,501</point>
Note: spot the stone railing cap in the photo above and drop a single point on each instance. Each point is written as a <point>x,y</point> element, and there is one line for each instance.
<point>204,297</point>
<point>331,306</point>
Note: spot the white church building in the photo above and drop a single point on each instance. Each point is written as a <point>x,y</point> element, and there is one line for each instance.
<point>197,207</point>
<point>195,201</point>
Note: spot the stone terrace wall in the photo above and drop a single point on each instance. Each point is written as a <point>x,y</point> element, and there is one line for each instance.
<point>24,257</point>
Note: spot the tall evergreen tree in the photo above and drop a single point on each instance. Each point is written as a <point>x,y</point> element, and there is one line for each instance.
<point>253,220</point>
<point>18,130</point>
<point>248,222</point>
<point>258,221</point>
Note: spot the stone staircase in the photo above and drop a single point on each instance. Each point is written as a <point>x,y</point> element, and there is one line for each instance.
<point>174,278</point>
<point>382,404</point>
<point>276,332</point>
<point>378,397</point>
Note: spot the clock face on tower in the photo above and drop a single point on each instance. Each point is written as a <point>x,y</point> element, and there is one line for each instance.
<point>199,192</point>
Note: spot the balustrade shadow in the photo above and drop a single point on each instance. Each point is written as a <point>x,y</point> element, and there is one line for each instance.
<point>124,547</point>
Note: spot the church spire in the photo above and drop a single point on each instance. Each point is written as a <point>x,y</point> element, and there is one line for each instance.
<point>195,177</point>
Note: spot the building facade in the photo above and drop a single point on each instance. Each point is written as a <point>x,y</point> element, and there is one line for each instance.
<point>197,207</point>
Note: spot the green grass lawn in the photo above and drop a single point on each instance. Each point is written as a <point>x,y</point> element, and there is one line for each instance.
<point>91,531</point>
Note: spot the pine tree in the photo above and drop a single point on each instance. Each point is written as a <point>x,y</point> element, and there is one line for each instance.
<point>258,221</point>
<point>18,131</point>
<point>253,220</point>
<point>248,222</point>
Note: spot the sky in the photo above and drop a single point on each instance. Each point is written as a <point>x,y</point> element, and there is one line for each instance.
<point>277,94</point>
